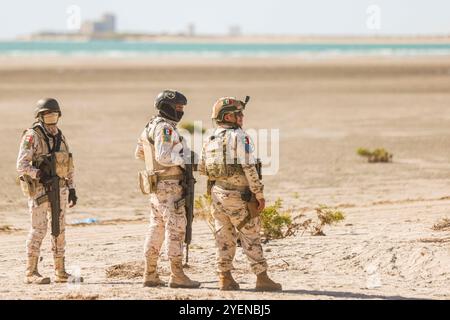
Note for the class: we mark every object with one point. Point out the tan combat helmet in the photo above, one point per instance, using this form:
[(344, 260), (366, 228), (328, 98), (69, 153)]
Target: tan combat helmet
[(226, 105)]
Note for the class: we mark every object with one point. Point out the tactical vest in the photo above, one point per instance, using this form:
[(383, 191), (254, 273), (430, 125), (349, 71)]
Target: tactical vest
[(64, 160), (217, 163), (149, 151)]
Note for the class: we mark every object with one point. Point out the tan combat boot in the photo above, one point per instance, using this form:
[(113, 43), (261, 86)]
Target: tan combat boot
[(226, 281), (151, 278), (177, 277), (61, 276), (32, 275), (264, 283)]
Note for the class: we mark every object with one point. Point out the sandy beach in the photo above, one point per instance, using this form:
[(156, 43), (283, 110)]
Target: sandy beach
[(324, 110)]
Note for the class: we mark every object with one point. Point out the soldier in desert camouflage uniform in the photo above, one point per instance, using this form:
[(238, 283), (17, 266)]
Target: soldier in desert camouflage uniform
[(43, 139), (237, 195), (161, 147)]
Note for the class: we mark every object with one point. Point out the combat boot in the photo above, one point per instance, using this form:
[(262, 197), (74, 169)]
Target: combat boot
[(32, 275), (177, 277), (226, 281), (264, 283), (61, 276), (151, 278)]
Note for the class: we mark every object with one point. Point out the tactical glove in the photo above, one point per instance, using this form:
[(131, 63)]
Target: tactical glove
[(72, 198)]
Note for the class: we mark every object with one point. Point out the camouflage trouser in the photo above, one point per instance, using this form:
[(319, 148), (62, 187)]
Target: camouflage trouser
[(166, 221), (39, 221), (228, 211)]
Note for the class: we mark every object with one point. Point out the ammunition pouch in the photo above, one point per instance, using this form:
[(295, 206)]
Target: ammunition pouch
[(147, 182), (28, 185), (64, 164)]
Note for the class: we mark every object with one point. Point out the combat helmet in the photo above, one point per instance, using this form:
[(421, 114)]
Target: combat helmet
[(167, 101), (227, 105), (47, 104)]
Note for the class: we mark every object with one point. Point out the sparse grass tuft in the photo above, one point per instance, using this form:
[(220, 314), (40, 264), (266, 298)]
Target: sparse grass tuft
[(378, 155), (203, 206)]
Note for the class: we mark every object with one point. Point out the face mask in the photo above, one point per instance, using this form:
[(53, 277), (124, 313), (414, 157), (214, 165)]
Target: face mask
[(50, 118)]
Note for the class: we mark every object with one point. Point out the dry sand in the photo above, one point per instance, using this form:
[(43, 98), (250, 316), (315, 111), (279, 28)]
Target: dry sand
[(325, 109)]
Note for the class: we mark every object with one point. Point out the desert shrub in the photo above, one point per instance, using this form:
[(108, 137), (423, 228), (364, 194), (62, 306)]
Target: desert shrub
[(275, 223), (8, 228), (326, 216), (202, 205), (378, 155)]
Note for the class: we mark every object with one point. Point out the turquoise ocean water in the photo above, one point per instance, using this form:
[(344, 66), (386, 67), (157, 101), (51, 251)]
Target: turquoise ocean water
[(127, 49)]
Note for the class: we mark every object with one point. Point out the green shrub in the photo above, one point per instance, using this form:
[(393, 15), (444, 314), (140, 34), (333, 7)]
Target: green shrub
[(378, 155), (275, 223), (326, 216)]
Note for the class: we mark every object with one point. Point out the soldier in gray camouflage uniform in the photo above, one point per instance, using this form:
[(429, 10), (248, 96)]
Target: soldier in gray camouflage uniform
[(43, 139), (161, 147), (237, 195)]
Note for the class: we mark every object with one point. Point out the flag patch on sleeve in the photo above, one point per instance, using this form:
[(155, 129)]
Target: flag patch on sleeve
[(247, 145), (167, 135), (28, 142)]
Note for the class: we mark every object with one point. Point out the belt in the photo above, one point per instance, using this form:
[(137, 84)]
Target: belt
[(173, 177), (229, 186), (62, 183)]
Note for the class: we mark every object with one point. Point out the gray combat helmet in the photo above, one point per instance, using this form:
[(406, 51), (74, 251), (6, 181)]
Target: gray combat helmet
[(166, 103), (48, 104)]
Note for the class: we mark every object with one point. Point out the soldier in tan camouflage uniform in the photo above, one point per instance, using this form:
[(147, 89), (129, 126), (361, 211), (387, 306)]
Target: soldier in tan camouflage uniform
[(43, 139), (237, 195), (161, 147)]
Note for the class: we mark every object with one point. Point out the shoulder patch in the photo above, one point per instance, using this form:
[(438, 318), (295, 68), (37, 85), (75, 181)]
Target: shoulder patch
[(247, 144), (167, 135), (28, 141)]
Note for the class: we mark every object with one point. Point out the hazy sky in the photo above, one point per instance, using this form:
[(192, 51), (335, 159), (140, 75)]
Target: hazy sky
[(21, 17)]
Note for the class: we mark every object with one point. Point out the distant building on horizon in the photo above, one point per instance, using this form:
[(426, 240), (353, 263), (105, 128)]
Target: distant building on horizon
[(105, 25), (235, 31), (191, 30)]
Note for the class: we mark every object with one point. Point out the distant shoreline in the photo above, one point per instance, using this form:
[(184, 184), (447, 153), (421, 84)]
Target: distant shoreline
[(227, 47), (375, 39)]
